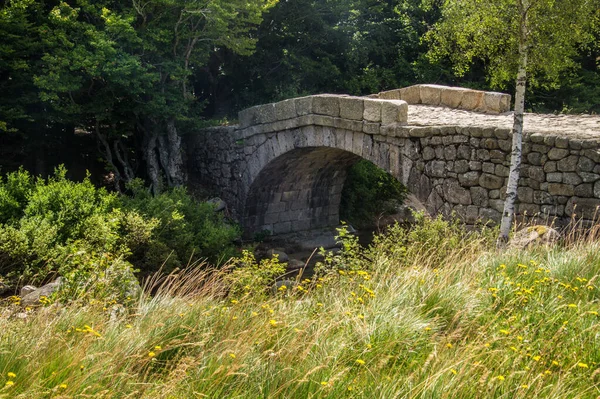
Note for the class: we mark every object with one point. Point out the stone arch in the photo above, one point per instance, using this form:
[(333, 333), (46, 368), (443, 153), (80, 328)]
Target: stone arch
[(294, 179)]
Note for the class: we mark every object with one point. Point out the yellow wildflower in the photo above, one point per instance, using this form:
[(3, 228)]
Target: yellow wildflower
[(158, 347), (11, 375), (500, 378), (448, 345), (324, 383), (232, 355), (9, 383), (360, 361), (453, 371), (583, 365), (151, 354), (63, 386), (273, 322)]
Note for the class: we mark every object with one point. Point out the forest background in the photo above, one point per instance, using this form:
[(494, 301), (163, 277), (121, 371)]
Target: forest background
[(113, 86)]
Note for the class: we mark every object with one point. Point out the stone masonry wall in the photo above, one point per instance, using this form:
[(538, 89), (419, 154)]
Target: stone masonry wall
[(283, 168)]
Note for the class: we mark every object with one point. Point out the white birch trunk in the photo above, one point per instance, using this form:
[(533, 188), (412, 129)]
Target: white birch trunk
[(517, 133)]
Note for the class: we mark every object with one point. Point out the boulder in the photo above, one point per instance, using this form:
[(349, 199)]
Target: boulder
[(295, 264), (282, 256), (33, 298), (218, 203), (534, 235), (27, 290)]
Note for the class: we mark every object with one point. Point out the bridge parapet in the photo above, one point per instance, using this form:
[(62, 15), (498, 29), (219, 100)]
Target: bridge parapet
[(452, 97)]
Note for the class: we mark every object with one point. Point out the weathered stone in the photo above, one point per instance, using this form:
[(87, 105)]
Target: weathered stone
[(561, 142), (304, 105), (490, 181), (494, 194), (456, 194), (556, 177), (436, 168), (560, 189), (372, 111), (489, 144), (502, 171), (586, 208), (475, 165), (27, 290), (589, 177), (585, 164), (327, 105), (488, 167), (394, 111), (597, 189), (469, 179), (542, 197), (568, 164), (536, 173), (431, 94), (472, 100), (451, 97), (411, 95), (525, 194), (534, 158), (487, 214), (528, 209), (550, 167), (218, 203), (584, 190), (352, 108), (428, 153), (572, 178), (285, 110), (557, 153), (450, 153), (34, 297), (479, 196), (534, 236), (461, 166)]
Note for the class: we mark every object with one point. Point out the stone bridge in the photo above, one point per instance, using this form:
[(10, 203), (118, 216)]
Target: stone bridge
[(283, 167)]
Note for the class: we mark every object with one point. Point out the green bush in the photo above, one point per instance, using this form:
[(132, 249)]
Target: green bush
[(187, 229), (95, 239), (367, 193), (250, 277)]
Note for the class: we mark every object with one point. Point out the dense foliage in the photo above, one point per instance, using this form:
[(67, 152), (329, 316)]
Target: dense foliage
[(138, 75), (93, 238), (369, 192)]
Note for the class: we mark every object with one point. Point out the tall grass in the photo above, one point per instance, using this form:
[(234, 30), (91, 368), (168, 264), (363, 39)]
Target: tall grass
[(420, 320)]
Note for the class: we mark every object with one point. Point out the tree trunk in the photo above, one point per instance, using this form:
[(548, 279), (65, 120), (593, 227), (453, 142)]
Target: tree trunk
[(151, 157), (517, 135), (171, 155)]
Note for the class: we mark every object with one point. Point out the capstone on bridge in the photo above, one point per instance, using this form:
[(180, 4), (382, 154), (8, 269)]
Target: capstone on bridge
[(283, 167)]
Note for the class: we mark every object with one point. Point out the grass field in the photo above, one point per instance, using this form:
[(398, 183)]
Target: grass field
[(432, 315)]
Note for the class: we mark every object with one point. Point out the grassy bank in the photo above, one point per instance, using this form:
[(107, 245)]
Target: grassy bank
[(438, 314)]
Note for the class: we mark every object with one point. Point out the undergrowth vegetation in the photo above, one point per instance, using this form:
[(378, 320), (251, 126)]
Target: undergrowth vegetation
[(95, 239), (433, 312)]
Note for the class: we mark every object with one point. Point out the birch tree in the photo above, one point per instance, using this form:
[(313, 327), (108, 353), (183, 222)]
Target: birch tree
[(530, 41)]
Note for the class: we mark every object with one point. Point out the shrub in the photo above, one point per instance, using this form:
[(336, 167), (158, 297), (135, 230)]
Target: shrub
[(250, 277), (369, 190)]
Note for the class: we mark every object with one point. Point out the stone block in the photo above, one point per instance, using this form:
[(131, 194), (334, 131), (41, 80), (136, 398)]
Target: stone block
[(390, 95), (589, 177), (456, 194), (436, 168), (394, 111), (428, 153), (525, 195), (597, 189), (557, 153), (461, 166), (528, 209), (584, 190), (555, 177), (586, 208), (487, 214), (561, 142), (488, 167), (285, 110), (585, 164), (452, 97), (561, 189), (450, 153), (568, 164), (550, 167), (469, 179), (304, 105), (411, 94), (475, 165), (352, 108), (494, 103), (479, 196), (326, 105), (502, 171), (372, 110), (371, 127), (431, 94), (472, 100), (572, 178), (490, 181), (536, 173), (542, 197)]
